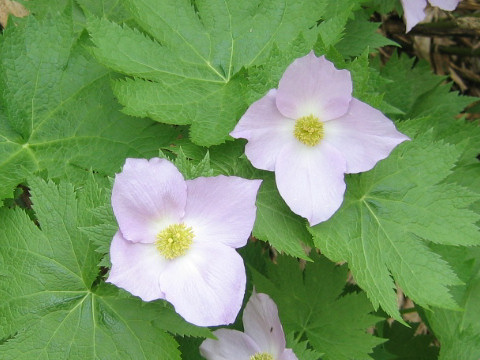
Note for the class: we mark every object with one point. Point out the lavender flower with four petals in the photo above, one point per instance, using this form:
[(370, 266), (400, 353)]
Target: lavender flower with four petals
[(263, 338), (414, 10), (177, 239), (311, 131)]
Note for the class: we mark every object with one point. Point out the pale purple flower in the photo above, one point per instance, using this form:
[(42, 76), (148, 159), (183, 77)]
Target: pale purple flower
[(262, 339), (311, 131), (414, 10), (177, 239)]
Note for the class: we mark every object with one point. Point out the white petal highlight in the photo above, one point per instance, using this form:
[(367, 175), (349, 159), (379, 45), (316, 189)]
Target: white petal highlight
[(266, 130), (231, 344), (311, 180), (136, 267), (261, 322), (206, 286), (221, 209), (313, 86), (364, 136), (147, 196)]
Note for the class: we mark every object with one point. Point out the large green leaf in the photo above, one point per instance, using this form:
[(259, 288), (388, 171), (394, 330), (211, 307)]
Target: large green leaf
[(388, 216), (311, 304), (459, 331), (53, 302), (58, 112), (189, 71)]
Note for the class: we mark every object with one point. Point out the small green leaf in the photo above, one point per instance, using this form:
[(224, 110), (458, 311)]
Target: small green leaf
[(360, 33), (189, 169), (310, 304)]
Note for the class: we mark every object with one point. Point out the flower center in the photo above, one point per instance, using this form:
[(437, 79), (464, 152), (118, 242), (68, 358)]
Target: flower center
[(309, 130), (174, 240), (262, 356)]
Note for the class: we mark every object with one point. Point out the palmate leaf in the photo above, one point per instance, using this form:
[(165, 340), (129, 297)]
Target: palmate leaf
[(359, 34), (416, 91), (310, 304), (52, 302), (58, 112), (389, 214), (190, 72)]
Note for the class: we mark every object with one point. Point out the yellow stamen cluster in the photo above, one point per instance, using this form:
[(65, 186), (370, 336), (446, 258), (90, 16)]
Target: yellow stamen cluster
[(309, 130), (174, 240), (262, 356)]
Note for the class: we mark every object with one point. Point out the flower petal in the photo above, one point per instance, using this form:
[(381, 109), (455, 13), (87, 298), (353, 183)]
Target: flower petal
[(266, 130), (261, 322), (221, 209), (364, 136), (231, 344), (413, 11), (449, 5), (206, 285), (146, 197), (311, 180), (313, 86), (136, 267)]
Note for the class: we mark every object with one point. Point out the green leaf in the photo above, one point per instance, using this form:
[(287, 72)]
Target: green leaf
[(277, 224), (388, 215), (264, 77), (53, 302), (301, 349), (189, 71), (406, 82), (459, 331), (102, 227), (404, 343), (359, 34), (332, 30), (385, 6), (59, 112), (189, 169), (310, 304), (366, 81), (190, 348), (440, 103), (416, 91)]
